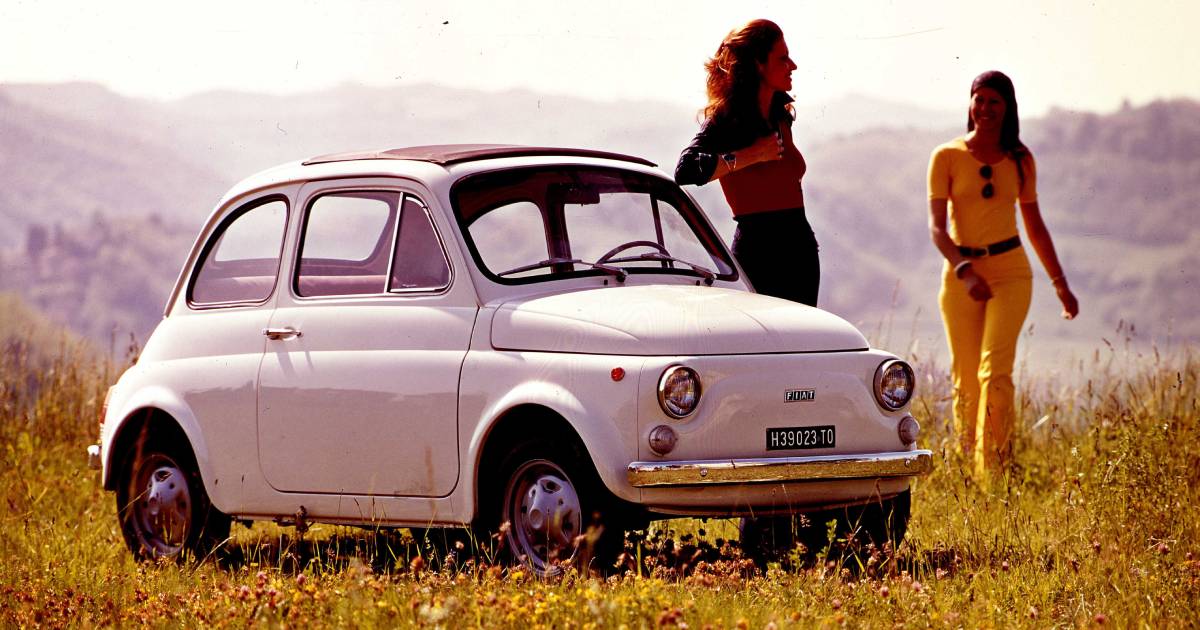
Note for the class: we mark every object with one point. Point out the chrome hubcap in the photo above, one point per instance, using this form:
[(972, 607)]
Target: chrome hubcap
[(163, 510), (544, 515)]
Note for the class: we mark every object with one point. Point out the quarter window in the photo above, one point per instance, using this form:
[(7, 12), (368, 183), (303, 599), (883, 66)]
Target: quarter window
[(420, 262), (242, 260)]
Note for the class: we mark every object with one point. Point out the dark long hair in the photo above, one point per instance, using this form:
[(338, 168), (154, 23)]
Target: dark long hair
[(733, 75), (1010, 127)]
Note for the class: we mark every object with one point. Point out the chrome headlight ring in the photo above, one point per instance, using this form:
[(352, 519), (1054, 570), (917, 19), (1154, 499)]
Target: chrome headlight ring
[(679, 391), (894, 384)]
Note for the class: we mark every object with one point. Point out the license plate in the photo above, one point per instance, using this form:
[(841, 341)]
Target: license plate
[(792, 438)]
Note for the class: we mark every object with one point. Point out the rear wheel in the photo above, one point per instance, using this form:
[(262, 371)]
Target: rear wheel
[(554, 511), (162, 507)]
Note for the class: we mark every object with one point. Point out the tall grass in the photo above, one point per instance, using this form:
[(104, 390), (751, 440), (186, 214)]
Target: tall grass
[(1098, 523)]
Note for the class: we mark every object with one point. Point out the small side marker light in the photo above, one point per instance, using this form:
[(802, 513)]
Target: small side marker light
[(618, 373)]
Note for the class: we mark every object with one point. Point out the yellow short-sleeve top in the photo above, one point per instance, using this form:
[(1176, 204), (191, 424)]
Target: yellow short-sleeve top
[(973, 220)]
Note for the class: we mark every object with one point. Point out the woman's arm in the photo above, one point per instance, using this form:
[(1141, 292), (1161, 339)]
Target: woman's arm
[(976, 285), (1039, 236), (701, 162)]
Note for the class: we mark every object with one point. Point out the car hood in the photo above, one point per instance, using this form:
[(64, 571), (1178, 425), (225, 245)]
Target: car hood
[(668, 320)]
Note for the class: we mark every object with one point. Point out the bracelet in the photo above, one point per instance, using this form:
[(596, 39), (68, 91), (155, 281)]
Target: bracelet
[(961, 268)]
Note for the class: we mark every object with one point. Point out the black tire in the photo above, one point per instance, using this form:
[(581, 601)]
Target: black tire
[(551, 509), (162, 506), (773, 538)]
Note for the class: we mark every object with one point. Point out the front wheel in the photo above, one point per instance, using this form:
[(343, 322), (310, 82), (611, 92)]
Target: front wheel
[(162, 507), (554, 510)]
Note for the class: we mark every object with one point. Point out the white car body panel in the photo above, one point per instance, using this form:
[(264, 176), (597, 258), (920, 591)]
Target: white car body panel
[(668, 320)]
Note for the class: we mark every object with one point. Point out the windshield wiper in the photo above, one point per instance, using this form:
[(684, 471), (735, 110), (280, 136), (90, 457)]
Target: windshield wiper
[(703, 272), (617, 272)]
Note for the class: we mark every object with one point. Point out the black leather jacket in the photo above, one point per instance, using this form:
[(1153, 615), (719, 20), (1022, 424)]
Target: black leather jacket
[(699, 160)]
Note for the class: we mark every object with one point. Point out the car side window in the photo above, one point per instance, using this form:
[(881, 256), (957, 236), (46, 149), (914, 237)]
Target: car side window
[(420, 262), (241, 261), (346, 244)]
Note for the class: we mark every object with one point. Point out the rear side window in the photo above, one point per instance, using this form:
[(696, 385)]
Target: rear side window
[(347, 244), (241, 260)]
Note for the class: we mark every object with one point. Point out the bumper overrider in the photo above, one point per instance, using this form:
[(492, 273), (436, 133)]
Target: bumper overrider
[(779, 469)]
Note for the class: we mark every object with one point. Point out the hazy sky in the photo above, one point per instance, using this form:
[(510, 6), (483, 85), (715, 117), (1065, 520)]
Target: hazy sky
[(1069, 53)]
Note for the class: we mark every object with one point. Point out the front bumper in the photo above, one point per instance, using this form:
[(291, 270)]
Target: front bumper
[(93, 456), (779, 469)]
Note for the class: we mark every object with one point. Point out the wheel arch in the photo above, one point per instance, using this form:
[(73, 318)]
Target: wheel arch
[(509, 429), (138, 426), (515, 425)]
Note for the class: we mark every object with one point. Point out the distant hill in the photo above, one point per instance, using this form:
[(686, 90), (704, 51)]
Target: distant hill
[(103, 194)]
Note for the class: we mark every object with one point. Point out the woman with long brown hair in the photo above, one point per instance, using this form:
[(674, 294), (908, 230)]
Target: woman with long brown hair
[(746, 143), (975, 182)]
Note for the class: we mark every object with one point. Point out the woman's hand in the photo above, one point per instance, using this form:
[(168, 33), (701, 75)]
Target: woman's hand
[(977, 287), (1069, 303), (765, 149)]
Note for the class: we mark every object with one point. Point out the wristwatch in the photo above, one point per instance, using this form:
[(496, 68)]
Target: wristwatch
[(730, 160)]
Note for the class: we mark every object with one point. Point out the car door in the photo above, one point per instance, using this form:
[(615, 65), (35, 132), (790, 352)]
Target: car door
[(358, 385)]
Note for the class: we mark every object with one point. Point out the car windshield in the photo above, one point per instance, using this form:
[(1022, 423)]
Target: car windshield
[(540, 223)]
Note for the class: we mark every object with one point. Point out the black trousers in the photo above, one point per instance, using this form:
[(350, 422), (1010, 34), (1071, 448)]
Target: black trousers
[(778, 252)]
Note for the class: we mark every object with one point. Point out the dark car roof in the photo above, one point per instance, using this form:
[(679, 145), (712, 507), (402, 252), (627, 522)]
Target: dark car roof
[(454, 153)]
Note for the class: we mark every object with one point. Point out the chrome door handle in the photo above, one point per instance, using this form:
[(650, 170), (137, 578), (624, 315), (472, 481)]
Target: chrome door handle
[(275, 334)]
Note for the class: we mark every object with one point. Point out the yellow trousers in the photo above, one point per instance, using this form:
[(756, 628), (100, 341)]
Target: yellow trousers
[(983, 347)]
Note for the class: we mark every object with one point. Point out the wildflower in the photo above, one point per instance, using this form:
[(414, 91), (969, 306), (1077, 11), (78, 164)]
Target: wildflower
[(300, 580), (742, 624), (836, 603), (1004, 565), (1163, 548), (1033, 612), (417, 565), (1100, 619), (916, 586), (884, 591), (940, 574)]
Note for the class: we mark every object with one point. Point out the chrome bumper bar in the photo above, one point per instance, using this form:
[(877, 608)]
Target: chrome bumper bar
[(93, 456), (779, 469)]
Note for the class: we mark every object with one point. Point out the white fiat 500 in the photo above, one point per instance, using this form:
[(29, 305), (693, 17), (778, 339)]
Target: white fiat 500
[(550, 344)]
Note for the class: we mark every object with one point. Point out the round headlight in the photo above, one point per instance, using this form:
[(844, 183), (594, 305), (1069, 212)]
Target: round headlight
[(679, 391), (894, 382)]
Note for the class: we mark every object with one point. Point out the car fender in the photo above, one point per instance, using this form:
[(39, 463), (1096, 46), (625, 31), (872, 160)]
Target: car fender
[(164, 400), (606, 424)]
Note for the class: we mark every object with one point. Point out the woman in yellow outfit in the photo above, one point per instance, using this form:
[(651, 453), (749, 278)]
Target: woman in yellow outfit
[(975, 182)]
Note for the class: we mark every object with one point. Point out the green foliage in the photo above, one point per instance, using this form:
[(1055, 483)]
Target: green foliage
[(104, 278), (1095, 524)]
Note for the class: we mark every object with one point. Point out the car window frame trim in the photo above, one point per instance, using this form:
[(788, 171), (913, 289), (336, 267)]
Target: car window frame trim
[(232, 216), (293, 283)]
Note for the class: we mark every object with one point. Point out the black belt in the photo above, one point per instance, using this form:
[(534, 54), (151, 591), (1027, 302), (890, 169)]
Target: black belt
[(999, 247)]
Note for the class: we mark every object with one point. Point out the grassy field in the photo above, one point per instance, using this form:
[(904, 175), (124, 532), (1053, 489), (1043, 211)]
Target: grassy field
[(1099, 524)]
